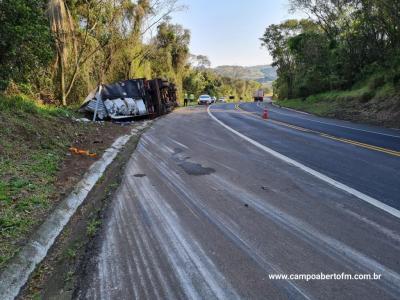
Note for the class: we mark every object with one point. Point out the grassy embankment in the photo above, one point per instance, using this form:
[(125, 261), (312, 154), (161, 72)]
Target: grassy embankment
[(369, 102), (33, 142)]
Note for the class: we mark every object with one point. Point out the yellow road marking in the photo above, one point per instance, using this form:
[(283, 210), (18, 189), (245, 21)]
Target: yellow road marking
[(355, 143), (368, 146), (291, 126)]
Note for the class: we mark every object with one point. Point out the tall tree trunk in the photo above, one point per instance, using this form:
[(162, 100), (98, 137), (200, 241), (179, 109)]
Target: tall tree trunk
[(62, 85), (62, 26), (61, 68)]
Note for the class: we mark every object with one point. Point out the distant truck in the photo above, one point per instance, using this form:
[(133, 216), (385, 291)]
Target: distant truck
[(259, 95)]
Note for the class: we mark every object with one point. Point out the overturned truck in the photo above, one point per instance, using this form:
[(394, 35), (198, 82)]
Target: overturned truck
[(131, 98)]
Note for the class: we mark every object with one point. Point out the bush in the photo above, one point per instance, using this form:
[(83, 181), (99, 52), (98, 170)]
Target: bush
[(26, 41), (396, 79), (366, 96), (376, 81), (18, 104), (3, 85)]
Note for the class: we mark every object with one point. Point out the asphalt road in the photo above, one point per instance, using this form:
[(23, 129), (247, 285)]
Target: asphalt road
[(363, 157), (203, 213)]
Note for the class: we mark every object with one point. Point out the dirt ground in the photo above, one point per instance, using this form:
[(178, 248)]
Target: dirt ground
[(56, 277), (380, 112), (37, 169), (96, 141)]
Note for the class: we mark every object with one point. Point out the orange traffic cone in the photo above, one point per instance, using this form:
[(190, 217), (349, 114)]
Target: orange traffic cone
[(265, 114)]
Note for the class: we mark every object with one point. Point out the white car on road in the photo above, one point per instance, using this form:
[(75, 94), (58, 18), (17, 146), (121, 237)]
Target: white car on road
[(205, 99)]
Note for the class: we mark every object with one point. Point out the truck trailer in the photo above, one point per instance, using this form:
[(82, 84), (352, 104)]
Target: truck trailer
[(258, 95)]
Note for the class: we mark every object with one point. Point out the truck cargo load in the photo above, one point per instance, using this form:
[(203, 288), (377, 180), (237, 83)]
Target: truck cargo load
[(131, 98)]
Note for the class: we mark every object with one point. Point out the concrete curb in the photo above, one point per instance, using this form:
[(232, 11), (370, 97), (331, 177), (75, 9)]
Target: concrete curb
[(17, 273)]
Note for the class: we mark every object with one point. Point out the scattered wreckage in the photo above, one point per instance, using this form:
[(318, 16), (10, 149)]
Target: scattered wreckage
[(131, 98)]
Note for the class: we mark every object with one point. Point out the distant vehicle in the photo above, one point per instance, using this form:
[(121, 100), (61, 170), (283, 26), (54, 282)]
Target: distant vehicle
[(222, 99), (205, 99), (259, 95)]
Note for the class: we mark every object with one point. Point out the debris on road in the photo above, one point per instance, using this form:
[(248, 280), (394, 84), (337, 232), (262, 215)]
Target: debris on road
[(131, 98), (81, 120), (82, 152)]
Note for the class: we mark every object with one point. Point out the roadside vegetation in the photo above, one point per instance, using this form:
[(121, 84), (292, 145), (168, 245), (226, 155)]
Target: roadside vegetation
[(52, 54), (262, 73), (37, 169), (364, 103), (33, 142), (57, 51), (343, 61), (200, 79)]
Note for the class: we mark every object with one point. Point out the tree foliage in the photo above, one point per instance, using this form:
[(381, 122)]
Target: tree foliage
[(205, 81), (170, 52), (343, 42), (25, 39), (60, 50)]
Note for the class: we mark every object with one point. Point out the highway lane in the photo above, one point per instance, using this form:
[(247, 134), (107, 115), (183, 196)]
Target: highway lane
[(372, 135), (203, 214), (372, 172)]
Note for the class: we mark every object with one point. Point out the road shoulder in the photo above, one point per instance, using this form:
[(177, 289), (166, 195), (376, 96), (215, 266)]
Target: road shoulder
[(57, 275)]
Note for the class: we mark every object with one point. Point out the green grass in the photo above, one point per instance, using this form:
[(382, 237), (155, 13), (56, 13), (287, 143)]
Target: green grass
[(92, 227), (385, 91), (34, 140), (317, 108), (325, 104), (71, 252), (22, 104)]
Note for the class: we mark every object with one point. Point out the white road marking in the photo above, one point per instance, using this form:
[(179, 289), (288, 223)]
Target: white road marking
[(331, 124), (178, 186), (179, 144), (339, 185)]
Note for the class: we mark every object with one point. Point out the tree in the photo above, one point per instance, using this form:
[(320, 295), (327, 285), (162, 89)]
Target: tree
[(25, 40), (206, 81), (194, 82), (275, 39), (342, 42), (200, 61), (170, 53), (104, 33)]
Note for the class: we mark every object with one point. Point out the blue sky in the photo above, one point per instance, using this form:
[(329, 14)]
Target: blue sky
[(228, 31)]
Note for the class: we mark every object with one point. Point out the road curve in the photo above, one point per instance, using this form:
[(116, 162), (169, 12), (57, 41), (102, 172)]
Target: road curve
[(363, 157), (203, 214)]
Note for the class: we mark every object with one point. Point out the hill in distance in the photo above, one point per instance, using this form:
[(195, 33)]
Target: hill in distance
[(262, 73)]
